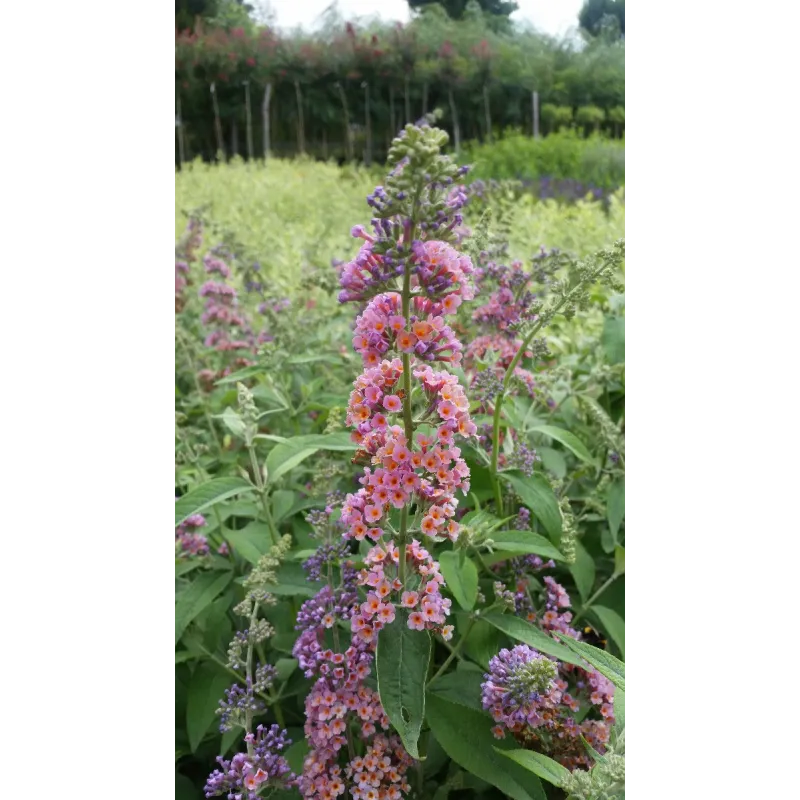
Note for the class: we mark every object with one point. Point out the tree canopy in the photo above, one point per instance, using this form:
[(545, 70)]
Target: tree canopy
[(598, 14), (455, 8)]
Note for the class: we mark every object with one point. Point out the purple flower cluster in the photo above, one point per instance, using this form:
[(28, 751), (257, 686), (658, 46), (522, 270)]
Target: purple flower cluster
[(246, 774), (238, 701), (523, 520), (523, 458), (320, 613), (486, 385), (327, 554), (519, 687), (188, 542)]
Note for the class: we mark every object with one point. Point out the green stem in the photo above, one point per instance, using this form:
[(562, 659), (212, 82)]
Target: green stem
[(262, 491), (453, 652), (249, 675), (587, 605), (509, 374), (408, 421)]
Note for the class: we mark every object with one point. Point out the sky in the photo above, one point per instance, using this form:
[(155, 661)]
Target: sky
[(555, 17)]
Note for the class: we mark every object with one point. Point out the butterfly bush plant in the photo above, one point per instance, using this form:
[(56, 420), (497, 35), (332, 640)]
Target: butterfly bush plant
[(376, 575)]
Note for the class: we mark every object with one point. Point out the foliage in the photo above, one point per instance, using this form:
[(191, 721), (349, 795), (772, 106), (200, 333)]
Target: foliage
[(273, 575), (595, 15), (344, 91), (596, 161), (455, 8)]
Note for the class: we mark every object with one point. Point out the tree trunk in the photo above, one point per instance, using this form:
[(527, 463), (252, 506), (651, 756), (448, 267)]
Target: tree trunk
[(181, 143), (487, 112), (407, 100), (535, 102), (368, 125), (248, 120), (234, 138), (265, 118), (348, 134), (324, 145), (392, 128), (454, 114), (217, 124), (301, 134), (424, 98)]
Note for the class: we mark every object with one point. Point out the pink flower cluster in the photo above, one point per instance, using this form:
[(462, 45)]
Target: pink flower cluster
[(382, 327), (428, 476), (441, 271), (428, 608), (505, 350)]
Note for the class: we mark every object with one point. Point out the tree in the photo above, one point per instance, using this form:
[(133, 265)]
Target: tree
[(599, 14), (455, 8)]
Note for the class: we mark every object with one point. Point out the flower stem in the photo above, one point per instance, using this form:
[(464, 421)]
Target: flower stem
[(249, 675), (543, 320), (453, 652), (262, 491), (587, 605), (408, 421)]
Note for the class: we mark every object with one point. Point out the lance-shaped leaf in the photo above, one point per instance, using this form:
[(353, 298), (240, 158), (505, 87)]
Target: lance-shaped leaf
[(402, 665), (523, 631), (207, 495), (537, 494), (538, 764), (466, 736), (603, 662), (569, 440), (461, 578)]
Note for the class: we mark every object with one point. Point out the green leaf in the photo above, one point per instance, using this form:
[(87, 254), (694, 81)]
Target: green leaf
[(461, 578), (619, 710), (206, 689), (312, 359), (292, 580), (296, 755), (282, 501), (616, 506), (240, 375), (196, 597), (525, 542), (186, 565), (597, 757), (402, 666), (612, 624), (583, 571), (285, 667), (283, 642), (251, 542), (483, 640), (538, 764), (614, 339), (466, 736), (287, 455), (184, 655), (553, 461), (523, 631), (619, 560), (462, 687), (235, 734), (603, 662), (207, 495), (233, 422), (538, 496), (569, 440)]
